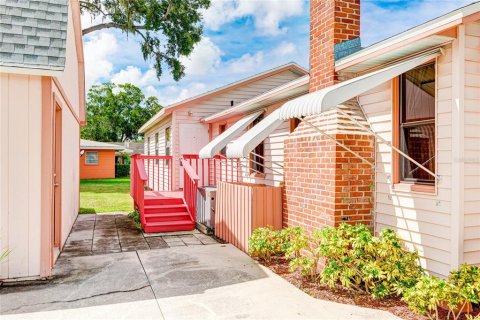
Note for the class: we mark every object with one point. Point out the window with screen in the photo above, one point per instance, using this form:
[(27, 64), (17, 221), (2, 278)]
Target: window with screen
[(168, 141), (417, 123), (91, 157), (257, 159)]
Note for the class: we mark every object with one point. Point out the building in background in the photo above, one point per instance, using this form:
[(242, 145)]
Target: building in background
[(98, 159)]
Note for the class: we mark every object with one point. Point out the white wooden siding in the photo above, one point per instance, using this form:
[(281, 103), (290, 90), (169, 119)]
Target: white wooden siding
[(471, 234), (153, 169), (273, 147), (221, 102), (20, 165), (422, 220)]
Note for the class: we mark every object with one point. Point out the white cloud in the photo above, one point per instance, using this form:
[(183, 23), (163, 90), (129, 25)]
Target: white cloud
[(206, 56), (135, 76), (247, 63), (99, 51), (285, 49), (267, 14)]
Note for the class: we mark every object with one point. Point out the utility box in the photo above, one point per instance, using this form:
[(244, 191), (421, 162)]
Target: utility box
[(243, 207), (206, 208)]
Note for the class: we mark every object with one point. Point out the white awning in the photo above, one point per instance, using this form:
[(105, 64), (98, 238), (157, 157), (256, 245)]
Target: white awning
[(328, 98), (217, 144), (248, 141)]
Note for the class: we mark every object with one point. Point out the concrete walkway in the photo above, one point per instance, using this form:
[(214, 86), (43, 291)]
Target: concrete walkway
[(198, 282)]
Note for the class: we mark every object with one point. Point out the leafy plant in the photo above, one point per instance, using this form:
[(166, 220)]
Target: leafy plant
[(379, 266), (135, 216), (427, 294), (306, 255), (265, 243), (467, 280)]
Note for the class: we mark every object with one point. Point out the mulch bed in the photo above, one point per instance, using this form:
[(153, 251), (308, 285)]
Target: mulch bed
[(345, 295)]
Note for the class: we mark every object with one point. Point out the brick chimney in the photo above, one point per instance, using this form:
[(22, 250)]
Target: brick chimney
[(324, 183), (331, 22)]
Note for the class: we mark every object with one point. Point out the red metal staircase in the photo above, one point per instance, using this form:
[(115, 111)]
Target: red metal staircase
[(163, 209)]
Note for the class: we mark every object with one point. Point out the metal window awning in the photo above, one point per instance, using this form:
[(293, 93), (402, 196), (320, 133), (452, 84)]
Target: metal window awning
[(253, 137), (329, 98), (217, 144), (323, 100)]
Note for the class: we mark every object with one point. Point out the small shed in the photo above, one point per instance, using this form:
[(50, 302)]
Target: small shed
[(97, 159)]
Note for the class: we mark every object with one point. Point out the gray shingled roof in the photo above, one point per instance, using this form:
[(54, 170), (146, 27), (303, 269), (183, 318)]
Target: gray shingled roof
[(33, 33), (90, 144)]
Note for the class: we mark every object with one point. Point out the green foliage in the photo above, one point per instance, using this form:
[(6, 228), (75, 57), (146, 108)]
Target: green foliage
[(122, 170), (467, 280), (461, 288), (266, 242), (116, 112), (167, 30), (307, 255), (379, 266), (135, 216)]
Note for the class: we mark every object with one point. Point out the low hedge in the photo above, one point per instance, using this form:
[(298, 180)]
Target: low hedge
[(122, 170), (377, 265)]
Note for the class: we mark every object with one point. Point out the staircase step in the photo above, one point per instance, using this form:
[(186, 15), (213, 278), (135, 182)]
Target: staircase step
[(167, 226), (167, 216), (165, 208), (163, 201)]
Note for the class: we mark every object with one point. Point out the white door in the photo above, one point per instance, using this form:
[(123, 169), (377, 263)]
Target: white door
[(193, 137)]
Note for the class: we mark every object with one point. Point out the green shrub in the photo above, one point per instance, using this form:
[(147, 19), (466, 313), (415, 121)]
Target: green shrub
[(379, 266), (265, 243), (135, 216), (305, 255), (461, 288), (467, 279), (122, 170)]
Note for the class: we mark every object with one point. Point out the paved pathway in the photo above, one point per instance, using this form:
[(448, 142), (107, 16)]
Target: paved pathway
[(94, 234), (188, 281)]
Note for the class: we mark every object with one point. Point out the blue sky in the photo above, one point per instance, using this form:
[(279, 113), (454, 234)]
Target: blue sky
[(243, 37)]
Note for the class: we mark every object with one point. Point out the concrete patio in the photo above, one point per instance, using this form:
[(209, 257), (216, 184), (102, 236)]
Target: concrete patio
[(188, 281)]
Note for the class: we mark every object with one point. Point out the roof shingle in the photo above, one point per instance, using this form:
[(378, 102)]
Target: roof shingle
[(33, 34)]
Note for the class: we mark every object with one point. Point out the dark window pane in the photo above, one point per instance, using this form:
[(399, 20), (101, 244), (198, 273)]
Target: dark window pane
[(418, 94), (257, 163), (419, 143)]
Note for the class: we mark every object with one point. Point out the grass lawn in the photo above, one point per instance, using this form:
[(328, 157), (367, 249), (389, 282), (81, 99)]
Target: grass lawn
[(105, 195)]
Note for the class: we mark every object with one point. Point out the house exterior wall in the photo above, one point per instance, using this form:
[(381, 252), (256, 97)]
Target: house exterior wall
[(103, 170), (20, 165), (273, 148), (194, 113), (425, 221), (160, 129), (471, 147), (27, 106)]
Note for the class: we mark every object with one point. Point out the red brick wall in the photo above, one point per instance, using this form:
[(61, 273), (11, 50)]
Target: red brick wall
[(324, 183), (331, 22)]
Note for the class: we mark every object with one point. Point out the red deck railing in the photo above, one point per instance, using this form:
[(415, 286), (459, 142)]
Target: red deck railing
[(210, 171), (190, 188), (154, 173)]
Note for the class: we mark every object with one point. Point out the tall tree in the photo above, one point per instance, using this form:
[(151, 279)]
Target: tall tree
[(116, 112), (167, 29)]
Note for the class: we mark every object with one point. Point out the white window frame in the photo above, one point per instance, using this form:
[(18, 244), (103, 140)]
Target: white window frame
[(87, 161)]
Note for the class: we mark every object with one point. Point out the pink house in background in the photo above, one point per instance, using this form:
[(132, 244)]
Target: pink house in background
[(42, 106), (386, 135)]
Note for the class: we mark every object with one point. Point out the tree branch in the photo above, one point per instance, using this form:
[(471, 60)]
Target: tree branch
[(107, 25)]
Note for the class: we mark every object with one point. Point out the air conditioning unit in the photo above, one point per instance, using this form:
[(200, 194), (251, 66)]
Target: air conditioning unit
[(206, 208)]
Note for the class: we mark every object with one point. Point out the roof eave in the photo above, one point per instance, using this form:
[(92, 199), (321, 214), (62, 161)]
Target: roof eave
[(436, 26), (31, 71), (188, 102), (260, 101)]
